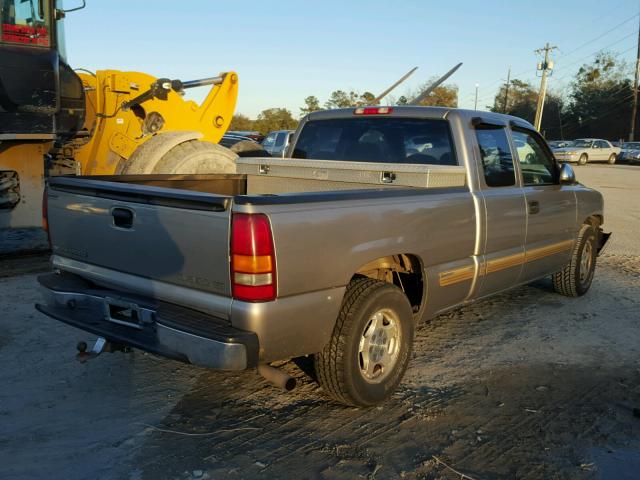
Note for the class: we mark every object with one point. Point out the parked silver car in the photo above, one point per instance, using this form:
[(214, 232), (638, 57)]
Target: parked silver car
[(630, 152), (276, 142), (585, 150)]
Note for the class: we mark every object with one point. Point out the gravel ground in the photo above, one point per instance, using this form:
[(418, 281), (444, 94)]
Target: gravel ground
[(527, 384)]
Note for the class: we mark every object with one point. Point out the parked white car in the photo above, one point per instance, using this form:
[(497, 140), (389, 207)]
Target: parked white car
[(585, 150)]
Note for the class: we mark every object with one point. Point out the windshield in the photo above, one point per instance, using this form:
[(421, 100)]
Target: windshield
[(632, 146), (26, 22), (581, 143), (384, 140)]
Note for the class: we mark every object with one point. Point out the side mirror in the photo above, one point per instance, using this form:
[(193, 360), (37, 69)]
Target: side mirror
[(60, 13), (567, 175)]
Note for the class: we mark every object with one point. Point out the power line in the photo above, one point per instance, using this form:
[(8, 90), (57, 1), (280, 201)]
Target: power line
[(590, 56), (563, 55), (588, 42), (600, 50), (600, 116)]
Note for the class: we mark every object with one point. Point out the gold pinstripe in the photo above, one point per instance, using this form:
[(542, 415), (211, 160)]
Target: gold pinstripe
[(465, 273)]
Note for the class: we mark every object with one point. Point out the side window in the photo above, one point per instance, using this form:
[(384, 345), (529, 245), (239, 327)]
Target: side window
[(537, 165), (603, 144), (495, 153), (269, 140), (280, 139), (26, 22)]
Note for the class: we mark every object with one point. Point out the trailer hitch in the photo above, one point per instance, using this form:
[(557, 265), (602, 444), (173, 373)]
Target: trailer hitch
[(102, 345)]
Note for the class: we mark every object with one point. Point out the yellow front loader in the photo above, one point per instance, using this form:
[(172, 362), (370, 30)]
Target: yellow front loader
[(54, 120), (135, 123)]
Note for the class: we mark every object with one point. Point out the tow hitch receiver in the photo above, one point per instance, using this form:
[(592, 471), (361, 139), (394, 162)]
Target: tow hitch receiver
[(101, 345)]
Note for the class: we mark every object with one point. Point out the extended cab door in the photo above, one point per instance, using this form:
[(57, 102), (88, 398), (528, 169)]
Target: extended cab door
[(551, 207), (505, 220)]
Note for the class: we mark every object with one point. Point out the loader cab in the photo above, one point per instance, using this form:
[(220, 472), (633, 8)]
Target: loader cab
[(41, 97)]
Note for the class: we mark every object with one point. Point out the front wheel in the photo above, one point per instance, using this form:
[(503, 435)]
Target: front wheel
[(197, 157), (575, 278), (583, 159), (370, 346), (612, 159)]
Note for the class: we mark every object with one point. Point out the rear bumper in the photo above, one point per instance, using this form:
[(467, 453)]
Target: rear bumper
[(165, 329)]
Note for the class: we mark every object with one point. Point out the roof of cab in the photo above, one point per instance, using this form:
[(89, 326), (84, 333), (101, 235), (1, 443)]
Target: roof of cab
[(427, 112)]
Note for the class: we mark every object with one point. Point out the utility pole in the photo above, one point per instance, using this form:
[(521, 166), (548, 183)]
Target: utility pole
[(475, 101), (506, 92), (546, 66), (634, 110)]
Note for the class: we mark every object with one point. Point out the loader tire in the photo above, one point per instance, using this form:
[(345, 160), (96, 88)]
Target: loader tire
[(196, 157)]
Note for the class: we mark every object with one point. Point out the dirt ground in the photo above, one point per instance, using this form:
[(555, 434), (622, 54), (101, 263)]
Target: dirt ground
[(528, 384)]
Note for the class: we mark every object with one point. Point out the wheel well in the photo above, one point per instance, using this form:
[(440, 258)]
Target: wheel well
[(403, 271)]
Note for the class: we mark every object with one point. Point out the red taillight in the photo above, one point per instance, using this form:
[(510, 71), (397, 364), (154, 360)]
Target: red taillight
[(372, 110), (253, 261)]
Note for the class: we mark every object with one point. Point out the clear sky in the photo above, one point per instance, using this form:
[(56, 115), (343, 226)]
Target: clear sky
[(286, 50)]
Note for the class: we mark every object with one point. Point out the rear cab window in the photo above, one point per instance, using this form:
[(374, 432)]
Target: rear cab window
[(25, 22), (380, 139)]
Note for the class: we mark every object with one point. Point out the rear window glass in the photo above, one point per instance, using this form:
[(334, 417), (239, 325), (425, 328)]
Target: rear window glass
[(383, 140)]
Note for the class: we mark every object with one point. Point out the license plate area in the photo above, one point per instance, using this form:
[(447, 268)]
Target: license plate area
[(124, 313)]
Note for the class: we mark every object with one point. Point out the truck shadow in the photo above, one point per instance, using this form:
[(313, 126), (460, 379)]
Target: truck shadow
[(532, 415), (535, 421)]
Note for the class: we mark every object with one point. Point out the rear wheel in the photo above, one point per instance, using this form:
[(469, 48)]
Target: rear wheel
[(370, 346), (612, 159), (196, 157), (575, 278), (583, 159)]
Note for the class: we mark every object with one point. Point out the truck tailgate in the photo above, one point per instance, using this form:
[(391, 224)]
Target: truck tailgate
[(175, 236)]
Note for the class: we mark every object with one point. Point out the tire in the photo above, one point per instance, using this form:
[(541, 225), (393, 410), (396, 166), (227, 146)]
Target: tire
[(575, 278), (346, 369), (612, 159), (583, 159), (196, 157)]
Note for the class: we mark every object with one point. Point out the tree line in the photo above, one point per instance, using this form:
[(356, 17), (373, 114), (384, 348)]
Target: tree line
[(597, 103), (282, 119)]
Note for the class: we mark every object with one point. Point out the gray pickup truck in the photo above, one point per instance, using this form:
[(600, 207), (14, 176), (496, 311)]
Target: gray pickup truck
[(382, 217)]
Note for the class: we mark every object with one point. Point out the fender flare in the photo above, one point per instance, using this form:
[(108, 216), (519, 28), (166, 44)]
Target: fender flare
[(147, 155)]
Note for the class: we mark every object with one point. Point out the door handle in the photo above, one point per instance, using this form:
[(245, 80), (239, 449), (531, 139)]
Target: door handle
[(122, 217), (534, 207)]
